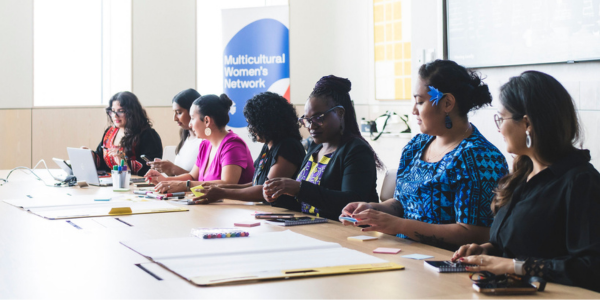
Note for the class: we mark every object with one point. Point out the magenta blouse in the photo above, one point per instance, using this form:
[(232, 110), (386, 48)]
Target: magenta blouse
[(232, 151)]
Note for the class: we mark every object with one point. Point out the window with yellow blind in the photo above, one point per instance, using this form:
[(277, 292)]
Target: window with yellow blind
[(391, 20)]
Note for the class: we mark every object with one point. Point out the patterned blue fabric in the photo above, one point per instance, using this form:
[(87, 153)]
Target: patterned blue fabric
[(458, 188)]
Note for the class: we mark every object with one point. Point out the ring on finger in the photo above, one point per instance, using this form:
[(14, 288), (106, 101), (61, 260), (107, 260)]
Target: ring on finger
[(481, 261)]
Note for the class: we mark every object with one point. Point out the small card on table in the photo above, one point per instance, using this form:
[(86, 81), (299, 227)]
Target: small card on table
[(387, 250), (362, 238)]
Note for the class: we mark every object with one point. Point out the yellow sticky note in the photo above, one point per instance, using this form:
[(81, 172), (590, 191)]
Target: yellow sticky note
[(197, 194)]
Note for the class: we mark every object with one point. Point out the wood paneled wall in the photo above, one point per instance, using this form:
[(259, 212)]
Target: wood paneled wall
[(15, 138), (29, 135)]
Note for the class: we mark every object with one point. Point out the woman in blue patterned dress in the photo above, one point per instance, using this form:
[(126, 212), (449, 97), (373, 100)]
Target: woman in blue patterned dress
[(447, 174)]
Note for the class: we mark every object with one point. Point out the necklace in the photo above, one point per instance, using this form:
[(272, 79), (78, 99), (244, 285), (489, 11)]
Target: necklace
[(435, 158)]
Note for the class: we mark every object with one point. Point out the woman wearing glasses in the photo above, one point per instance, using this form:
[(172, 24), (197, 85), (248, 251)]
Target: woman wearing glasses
[(272, 121), (340, 166), (547, 208), (223, 157), (129, 136), (447, 174)]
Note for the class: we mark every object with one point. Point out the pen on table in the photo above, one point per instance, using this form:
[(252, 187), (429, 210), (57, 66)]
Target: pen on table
[(73, 224), (174, 194), (142, 192), (123, 222), (169, 198), (29, 196)]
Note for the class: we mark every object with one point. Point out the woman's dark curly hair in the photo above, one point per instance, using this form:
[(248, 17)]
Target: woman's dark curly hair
[(271, 118), (136, 119)]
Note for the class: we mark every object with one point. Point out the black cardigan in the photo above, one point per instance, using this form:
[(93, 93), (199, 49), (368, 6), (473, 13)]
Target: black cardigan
[(149, 145), (350, 176), (553, 221)]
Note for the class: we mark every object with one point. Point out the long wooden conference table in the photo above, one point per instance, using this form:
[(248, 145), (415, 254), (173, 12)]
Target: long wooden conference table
[(42, 258)]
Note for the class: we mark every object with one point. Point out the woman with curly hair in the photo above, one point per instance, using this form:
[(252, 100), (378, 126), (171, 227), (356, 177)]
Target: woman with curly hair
[(129, 135), (272, 121)]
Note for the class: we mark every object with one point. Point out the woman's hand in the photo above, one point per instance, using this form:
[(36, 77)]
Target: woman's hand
[(170, 187), (468, 250), (117, 154), (378, 221), (353, 208), (212, 193), (154, 177), (276, 187), (162, 166), (494, 264)]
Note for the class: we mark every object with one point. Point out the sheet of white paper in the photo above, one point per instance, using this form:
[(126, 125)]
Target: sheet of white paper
[(100, 209)]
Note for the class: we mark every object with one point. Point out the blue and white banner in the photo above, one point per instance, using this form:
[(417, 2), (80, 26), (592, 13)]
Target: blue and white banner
[(256, 56)]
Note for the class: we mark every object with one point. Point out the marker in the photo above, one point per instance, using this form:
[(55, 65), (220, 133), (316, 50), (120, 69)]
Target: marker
[(169, 198), (141, 192), (152, 196), (175, 194), (123, 222), (73, 224)]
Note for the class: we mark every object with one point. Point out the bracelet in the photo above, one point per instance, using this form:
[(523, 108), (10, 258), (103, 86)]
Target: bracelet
[(187, 185), (519, 266)]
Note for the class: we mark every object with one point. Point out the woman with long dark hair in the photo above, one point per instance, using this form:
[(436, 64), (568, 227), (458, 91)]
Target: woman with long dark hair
[(129, 136), (547, 208), (339, 167), (272, 121), (447, 174), (223, 157), (187, 149)]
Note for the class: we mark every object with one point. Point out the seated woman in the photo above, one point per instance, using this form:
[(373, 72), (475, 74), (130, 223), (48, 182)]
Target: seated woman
[(129, 136), (447, 174), (272, 121), (187, 149), (547, 208), (223, 157), (339, 167)]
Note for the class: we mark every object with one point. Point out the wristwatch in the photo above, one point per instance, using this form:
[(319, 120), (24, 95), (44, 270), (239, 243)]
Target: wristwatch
[(187, 185), (519, 266)]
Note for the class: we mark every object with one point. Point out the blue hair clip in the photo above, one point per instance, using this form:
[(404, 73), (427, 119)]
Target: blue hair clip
[(435, 94)]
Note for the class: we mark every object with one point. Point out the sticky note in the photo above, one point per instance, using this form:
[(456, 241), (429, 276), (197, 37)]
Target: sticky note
[(417, 256), (362, 238), (387, 250), (197, 194), (247, 224)]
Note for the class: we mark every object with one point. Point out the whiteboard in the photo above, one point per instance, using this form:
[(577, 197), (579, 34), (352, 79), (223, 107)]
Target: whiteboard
[(483, 33)]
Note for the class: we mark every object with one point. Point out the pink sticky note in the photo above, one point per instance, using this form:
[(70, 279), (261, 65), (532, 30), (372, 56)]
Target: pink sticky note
[(387, 250), (247, 224)]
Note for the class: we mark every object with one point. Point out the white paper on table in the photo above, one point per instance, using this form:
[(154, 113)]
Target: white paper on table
[(102, 209)]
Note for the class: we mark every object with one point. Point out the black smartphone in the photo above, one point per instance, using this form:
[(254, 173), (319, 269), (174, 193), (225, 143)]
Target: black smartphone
[(506, 288)]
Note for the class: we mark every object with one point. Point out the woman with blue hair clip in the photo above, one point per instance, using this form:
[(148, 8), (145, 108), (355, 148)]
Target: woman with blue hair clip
[(447, 174)]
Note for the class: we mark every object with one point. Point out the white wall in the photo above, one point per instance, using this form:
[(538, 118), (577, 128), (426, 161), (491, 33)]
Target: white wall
[(164, 49), (16, 53), (330, 37)]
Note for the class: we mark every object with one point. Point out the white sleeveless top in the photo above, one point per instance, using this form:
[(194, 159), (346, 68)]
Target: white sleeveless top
[(186, 159)]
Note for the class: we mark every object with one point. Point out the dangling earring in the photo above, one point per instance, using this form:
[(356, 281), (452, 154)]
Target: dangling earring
[(207, 131), (448, 121), (527, 139)]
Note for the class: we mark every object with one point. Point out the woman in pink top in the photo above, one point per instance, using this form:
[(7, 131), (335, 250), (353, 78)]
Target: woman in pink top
[(223, 156)]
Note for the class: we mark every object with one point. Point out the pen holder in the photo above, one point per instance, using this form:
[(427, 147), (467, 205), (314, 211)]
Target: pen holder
[(120, 180)]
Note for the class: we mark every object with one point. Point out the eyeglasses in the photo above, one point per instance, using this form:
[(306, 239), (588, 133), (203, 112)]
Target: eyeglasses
[(499, 119), (111, 112), (306, 122)]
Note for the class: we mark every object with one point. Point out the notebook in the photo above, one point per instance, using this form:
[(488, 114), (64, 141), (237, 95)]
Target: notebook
[(297, 221), (445, 266)]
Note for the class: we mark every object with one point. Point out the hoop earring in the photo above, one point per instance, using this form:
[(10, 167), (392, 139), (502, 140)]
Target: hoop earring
[(527, 139), (207, 131), (448, 121)]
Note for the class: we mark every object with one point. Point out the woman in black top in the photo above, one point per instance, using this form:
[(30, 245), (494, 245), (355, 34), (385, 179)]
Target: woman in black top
[(547, 209), (340, 167), (128, 136), (272, 121)]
